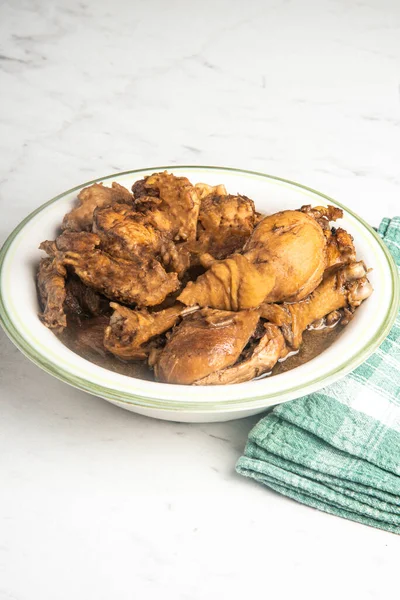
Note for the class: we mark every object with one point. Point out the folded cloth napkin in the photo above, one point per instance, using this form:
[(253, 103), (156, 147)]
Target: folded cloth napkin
[(339, 449)]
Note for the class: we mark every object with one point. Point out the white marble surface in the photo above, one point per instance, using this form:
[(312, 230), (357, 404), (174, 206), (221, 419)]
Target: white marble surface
[(99, 503)]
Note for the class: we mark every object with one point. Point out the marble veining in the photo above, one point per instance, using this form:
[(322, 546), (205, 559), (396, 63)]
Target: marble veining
[(99, 503)]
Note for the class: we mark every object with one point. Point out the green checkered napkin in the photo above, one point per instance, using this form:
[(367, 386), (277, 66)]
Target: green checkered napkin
[(339, 449)]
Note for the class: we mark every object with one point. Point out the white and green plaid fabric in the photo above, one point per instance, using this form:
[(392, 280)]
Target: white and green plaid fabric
[(338, 450)]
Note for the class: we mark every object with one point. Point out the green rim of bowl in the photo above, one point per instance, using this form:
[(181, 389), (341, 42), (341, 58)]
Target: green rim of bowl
[(253, 402)]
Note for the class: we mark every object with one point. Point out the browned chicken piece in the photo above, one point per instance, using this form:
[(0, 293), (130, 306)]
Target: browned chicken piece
[(205, 342), (340, 248), (81, 300), (347, 287), (276, 313), (131, 282), (51, 286), (204, 190), (134, 281), (148, 212), (82, 242), (129, 331), (171, 204), (140, 190), (176, 257), (65, 294), (124, 232), (96, 195), (263, 358), (258, 218), (323, 214), (284, 259), (49, 246), (225, 224), (90, 334), (293, 246)]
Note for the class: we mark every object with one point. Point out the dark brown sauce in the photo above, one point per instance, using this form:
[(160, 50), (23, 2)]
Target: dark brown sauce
[(315, 341), (84, 337)]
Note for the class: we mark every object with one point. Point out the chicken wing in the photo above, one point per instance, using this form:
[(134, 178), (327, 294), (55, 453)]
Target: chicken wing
[(205, 342), (129, 331), (61, 294), (284, 259), (51, 286), (96, 195)]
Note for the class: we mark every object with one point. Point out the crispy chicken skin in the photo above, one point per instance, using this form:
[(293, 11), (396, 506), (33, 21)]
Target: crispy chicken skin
[(263, 358), (96, 195), (284, 259), (347, 287), (129, 331), (174, 201), (225, 224), (51, 286), (205, 342)]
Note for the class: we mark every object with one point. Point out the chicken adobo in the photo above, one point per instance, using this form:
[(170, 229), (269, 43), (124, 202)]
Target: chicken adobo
[(188, 284)]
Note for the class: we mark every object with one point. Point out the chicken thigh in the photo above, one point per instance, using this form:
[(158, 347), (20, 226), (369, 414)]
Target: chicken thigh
[(263, 358), (205, 342), (52, 293)]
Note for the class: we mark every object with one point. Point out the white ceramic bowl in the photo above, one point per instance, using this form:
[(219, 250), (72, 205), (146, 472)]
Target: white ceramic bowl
[(19, 307)]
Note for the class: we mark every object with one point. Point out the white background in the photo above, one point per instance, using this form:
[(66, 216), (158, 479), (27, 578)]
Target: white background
[(100, 503)]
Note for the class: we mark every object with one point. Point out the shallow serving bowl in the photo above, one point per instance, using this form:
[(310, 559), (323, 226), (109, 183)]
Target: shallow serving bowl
[(19, 307)]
